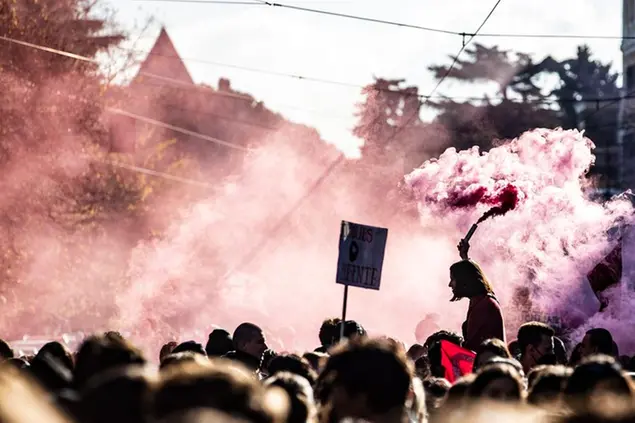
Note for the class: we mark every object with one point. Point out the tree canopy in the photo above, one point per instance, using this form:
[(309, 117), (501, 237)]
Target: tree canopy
[(522, 101)]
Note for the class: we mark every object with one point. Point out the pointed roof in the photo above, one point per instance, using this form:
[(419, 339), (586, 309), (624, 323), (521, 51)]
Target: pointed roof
[(163, 60)]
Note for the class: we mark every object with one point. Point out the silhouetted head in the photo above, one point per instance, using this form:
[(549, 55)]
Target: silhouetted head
[(250, 339), (536, 344), (328, 332), (219, 343), (597, 341), (191, 346), (489, 349), (467, 280), (6, 352), (352, 329), (365, 378)]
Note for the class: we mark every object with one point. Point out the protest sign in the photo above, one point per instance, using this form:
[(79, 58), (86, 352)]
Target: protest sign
[(361, 256)]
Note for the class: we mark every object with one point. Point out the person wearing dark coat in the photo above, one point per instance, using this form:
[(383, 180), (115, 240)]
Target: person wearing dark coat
[(484, 316)]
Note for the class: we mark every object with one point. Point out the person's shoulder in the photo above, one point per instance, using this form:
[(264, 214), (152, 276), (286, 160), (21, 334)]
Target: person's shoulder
[(490, 302)]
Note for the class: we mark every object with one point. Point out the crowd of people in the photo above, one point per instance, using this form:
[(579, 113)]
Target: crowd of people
[(350, 376), (236, 377)]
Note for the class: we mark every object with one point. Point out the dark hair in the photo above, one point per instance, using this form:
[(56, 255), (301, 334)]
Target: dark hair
[(315, 359), (328, 331), (300, 395), (244, 333), (191, 346), (602, 340), (293, 364), (219, 343), (490, 373), (531, 334), (434, 360), (60, 352), (351, 329), (416, 351), (470, 280), (436, 386), (594, 372), (493, 346), (231, 389), (535, 372), (444, 335), (113, 334), (166, 350), (436, 389), (576, 355), (459, 390), (116, 396), (6, 352), (267, 358), (505, 362), (376, 368), (547, 383), (100, 353), (422, 368), (171, 360), (514, 349)]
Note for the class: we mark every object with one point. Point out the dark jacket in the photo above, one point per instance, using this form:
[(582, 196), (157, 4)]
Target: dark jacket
[(251, 362), (484, 321)]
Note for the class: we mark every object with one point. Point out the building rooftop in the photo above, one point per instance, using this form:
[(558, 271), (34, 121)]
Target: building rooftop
[(163, 61)]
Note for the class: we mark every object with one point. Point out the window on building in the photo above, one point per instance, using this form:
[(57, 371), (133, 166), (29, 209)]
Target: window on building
[(630, 11)]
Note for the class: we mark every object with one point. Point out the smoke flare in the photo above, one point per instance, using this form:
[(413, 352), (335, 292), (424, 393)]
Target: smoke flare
[(556, 234)]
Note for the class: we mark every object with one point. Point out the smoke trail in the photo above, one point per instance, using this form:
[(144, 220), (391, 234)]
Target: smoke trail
[(508, 199), (504, 200)]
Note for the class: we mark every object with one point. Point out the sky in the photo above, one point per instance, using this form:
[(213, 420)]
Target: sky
[(332, 48)]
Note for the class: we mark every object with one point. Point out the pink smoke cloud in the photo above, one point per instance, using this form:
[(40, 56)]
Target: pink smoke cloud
[(552, 237)]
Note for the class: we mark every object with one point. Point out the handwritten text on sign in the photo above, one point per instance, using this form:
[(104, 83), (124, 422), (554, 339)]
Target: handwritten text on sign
[(361, 255)]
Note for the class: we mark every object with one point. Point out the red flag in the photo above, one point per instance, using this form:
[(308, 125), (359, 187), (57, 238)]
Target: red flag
[(607, 273), (457, 361)]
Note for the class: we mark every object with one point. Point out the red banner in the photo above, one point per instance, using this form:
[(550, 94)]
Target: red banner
[(457, 361)]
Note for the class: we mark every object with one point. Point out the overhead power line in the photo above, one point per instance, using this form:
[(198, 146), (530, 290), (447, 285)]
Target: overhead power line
[(245, 68), (324, 81), (396, 23), (243, 3), (175, 128), (318, 11), (299, 77), (155, 173), (136, 117), (253, 253), (560, 36), (463, 46), (172, 81), (629, 94), (415, 114), (124, 112), (212, 91)]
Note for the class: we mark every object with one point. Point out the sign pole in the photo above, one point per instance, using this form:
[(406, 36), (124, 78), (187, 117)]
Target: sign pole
[(360, 259), (344, 312)]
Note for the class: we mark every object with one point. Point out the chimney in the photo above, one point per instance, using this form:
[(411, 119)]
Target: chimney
[(224, 85)]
